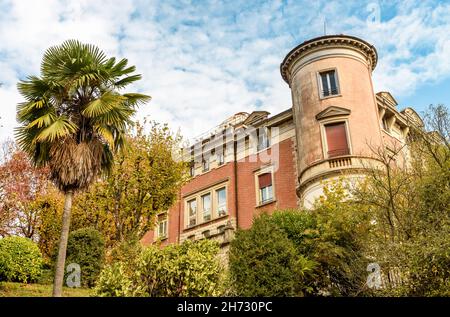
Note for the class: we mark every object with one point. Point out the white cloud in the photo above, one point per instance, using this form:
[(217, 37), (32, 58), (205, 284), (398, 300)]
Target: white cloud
[(204, 62)]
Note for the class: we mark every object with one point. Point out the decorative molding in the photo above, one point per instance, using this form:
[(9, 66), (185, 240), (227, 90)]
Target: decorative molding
[(388, 97), (256, 116), (324, 42), (332, 111)]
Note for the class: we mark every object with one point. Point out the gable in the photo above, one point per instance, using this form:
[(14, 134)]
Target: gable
[(256, 116), (388, 97), (332, 111)]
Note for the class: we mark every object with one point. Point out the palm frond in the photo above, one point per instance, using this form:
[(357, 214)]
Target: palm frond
[(106, 103), (127, 80), (43, 121), (61, 127), (73, 118), (107, 133), (135, 99)]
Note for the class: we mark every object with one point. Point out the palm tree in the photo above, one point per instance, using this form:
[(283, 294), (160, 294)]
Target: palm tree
[(74, 119)]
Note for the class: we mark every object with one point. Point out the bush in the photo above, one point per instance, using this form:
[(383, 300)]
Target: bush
[(187, 269), (264, 262), (86, 247), (20, 260), (427, 264), (114, 282)]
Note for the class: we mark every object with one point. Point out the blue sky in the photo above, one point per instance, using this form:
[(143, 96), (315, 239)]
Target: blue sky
[(203, 61)]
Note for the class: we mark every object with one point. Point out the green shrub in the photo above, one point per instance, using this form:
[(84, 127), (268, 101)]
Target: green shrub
[(20, 260), (264, 262), (187, 269), (86, 247), (427, 263), (114, 282)]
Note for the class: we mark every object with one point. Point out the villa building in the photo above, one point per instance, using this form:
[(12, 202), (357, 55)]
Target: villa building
[(255, 162)]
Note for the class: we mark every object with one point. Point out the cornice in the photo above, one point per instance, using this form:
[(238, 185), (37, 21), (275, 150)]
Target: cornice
[(324, 42)]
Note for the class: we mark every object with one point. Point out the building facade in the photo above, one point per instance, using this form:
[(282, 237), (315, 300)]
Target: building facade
[(254, 163)]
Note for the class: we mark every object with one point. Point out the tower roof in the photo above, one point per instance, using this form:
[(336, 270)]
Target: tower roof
[(328, 41)]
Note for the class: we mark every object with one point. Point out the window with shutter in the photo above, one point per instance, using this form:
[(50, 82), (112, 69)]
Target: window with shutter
[(265, 187), (336, 139)]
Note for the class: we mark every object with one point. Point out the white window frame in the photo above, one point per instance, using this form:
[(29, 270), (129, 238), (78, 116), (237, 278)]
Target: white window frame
[(319, 83), (267, 139), (220, 210), (189, 216), (192, 169), (165, 220), (209, 208), (206, 162), (199, 218)]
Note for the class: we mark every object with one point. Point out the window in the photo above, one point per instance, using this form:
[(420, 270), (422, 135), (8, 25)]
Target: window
[(192, 169), (263, 138), (205, 165), (162, 226), (265, 187), (385, 124), (192, 208), (328, 83), (220, 156), (221, 201), (206, 206), (337, 144)]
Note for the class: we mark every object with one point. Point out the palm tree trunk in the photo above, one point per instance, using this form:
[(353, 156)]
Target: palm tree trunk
[(60, 262)]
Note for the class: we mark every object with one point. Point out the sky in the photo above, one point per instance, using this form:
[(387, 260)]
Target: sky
[(203, 61)]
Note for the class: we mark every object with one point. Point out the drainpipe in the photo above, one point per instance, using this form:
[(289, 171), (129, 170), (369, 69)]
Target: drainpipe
[(179, 216), (235, 182)]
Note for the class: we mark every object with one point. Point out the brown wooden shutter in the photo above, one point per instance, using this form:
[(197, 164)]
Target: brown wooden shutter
[(336, 139), (265, 180)]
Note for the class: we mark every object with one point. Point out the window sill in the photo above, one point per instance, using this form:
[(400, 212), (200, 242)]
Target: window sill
[(205, 223), (266, 203), (258, 151), (328, 97)]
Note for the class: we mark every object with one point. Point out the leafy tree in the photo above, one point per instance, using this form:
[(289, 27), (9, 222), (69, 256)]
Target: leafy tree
[(263, 261), (74, 119), (409, 207), (339, 245), (48, 208), (144, 181), (20, 185)]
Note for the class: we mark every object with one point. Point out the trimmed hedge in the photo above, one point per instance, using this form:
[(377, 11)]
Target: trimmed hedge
[(86, 247), (265, 262), (178, 270), (20, 260)]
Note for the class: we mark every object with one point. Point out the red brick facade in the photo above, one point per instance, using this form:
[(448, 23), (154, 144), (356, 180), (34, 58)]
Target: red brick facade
[(242, 203)]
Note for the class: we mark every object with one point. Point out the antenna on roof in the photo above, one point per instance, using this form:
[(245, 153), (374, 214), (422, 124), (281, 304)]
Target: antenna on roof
[(325, 26)]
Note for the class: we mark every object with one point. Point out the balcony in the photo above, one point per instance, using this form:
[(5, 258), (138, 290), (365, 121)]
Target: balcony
[(221, 231), (335, 165)]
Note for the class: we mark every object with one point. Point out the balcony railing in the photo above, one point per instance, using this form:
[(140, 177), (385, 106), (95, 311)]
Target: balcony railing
[(340, 162)]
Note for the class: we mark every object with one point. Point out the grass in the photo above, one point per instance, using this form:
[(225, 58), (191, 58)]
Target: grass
[(10, 289)]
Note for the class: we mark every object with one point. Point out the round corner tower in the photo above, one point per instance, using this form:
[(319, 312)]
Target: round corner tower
[(334, 109)]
